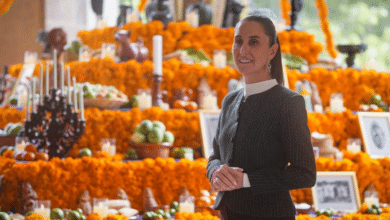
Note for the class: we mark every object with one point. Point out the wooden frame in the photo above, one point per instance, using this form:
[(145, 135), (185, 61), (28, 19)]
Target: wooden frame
[(207, 140), (376, 135), (338, 179), (285, 77)]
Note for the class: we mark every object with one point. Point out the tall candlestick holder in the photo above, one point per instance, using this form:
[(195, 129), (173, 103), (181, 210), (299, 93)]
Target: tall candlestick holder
[(54, 127), (156, 92), (296, 7)]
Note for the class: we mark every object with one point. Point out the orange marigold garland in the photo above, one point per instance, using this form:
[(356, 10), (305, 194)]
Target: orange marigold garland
[(285, 7), (62, 181), (323, 13), (208, 38), (142, 4), (300, 43), (96, 37), (177, 35), (5, 5), (356, 86), (34, 217)]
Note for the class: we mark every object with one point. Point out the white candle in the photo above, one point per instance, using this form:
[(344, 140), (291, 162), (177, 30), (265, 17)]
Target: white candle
[(354, 148), (157, 54), (187, 207), (339, 156), (371, 200), (318, 108), (101, 210), (69, 85), (33, 94), (28, 103), (81, 102), (47, 77), (75, 94), (109, 148), (144, 101), (62, 78), (20, 146), (336, 105), (219, 59), (193, 18), (41, 85), (209, 102), (45, 212), (55, 68)]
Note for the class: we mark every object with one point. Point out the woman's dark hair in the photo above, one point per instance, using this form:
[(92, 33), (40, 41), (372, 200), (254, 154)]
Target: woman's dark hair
[(270, 31)]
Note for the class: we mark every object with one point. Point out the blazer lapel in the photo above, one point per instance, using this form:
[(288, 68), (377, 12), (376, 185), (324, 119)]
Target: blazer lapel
[(229, 129)]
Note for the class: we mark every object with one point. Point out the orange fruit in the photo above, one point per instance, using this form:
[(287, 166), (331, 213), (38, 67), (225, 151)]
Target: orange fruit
[(31, 148), (191, 106), (42, 156), (179, 104), (20, 156), (29, 156)]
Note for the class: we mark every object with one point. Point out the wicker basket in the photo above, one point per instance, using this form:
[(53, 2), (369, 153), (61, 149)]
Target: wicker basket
[(151, 150), (7, 141), (103, 103)]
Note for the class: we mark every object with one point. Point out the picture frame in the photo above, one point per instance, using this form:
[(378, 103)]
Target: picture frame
[(285, 78), (375, 128), (337, 190), (208, 125)]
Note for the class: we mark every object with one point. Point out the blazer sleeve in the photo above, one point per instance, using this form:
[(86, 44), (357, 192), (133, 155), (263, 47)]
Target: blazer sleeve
[(296, 141), (215, 159)]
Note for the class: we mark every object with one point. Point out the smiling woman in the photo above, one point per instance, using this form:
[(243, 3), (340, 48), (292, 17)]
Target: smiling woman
[(253, 51), (256, 39), (262, 147)]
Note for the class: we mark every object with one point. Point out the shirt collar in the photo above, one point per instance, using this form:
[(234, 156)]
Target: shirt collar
[(255, 88)]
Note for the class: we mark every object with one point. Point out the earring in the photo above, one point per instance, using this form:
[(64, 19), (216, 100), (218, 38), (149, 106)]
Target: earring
[(269, 67)]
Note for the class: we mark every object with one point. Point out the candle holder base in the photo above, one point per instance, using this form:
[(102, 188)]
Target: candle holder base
[(351, 50), (156, 94), (55, 127)]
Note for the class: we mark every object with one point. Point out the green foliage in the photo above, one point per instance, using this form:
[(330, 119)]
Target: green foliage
[(294, 61), (351, 22), (75, 47)]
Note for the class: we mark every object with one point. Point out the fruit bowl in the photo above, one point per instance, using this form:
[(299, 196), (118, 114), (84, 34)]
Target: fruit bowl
[(151, 150)]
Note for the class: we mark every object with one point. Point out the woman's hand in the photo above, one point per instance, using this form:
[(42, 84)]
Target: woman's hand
[(227, 178)]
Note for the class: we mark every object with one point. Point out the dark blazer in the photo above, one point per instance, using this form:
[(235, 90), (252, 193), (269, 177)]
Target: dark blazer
[(270, 132)]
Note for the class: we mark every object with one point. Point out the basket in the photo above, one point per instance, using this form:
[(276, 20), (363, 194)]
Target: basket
[(7, 140), (103, 103), (151, 150)]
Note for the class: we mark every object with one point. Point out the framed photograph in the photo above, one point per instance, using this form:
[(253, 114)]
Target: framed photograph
[(208, 126), (375, 127), (337, 190)]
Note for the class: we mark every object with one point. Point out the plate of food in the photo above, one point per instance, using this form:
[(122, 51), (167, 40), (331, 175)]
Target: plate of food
[(103, 97)]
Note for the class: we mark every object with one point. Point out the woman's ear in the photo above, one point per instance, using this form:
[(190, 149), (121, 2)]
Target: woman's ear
[(273, 51)]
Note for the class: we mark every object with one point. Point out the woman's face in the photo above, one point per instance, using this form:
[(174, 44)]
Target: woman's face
[(251, 50)]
